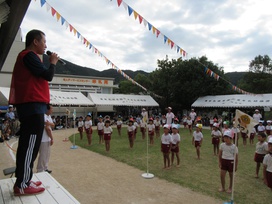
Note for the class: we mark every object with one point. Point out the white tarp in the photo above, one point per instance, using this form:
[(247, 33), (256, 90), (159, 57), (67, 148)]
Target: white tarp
[(69, 99), (56, 98), (122, 100), (234, 101)]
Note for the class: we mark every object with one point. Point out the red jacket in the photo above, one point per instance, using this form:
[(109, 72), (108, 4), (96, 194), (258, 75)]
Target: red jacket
[(25, 87)]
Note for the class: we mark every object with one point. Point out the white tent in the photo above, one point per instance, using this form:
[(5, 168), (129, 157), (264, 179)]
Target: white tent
[(122, 100), (56, 98), (234, 101), (69, 99)]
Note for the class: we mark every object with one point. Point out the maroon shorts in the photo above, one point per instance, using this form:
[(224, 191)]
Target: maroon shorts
[(150, 133), (189, 126), (268, 132), (135, 131), (211, 125), (184, 123), (119, 126), (130, 134), (107, 136), (197, 143), (259, 157), (227, 165), (175, 149), (165, 148), (244, 135), (100, 132), (269, 179), (80, 129), (89, 131), (215, 141), (157, 128), (142, 129), (252, 135)]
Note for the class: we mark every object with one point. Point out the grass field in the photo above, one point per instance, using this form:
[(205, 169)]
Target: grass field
[(199, 175)]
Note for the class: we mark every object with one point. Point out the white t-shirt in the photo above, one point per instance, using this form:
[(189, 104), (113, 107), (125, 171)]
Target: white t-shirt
[(257, 117), (211, 121), (268, 127), (107, 130), (100, 125), (80, 123), (142, 124), (216, 133), (136, 124), (228, 151), (189, 122), (268, 162), (166, 139), (169, 117), (131, 128), (175, 138), (45, 137), (150, 127), (261, 128), (261, 148), (119, 122), (198, 136), (192, 115), (88, 124), (157, 123)]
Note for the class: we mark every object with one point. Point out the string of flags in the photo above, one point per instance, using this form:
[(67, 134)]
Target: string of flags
[(152, 28), (171, 43), (87, 43)]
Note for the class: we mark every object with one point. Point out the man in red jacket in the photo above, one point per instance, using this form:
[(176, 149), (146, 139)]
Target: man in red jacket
[(29, 93)]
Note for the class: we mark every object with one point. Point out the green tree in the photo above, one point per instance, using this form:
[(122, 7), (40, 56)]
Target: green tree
[(261, 64)]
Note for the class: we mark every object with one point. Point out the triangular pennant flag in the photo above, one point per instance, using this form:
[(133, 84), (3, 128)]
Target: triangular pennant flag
[(71, 27), (62, 20), (87, 44), (145, 22), (53, 11), (178, 49), (158, 32), (42, 2), (168, 41), (165, 39), (135, 15), (78, 35), (149, 26), (129, 10), (58, 16), (48, 7), (154, 30), (140, 19), (66, 24), (75, 31), (125, 6), (172, 44), (119, 2)]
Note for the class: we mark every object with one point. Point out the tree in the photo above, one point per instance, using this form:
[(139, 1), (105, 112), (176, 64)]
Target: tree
[(181, 82), (261, 64)]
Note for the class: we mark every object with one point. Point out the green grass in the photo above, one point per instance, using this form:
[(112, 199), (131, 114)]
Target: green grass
[(199, 175)]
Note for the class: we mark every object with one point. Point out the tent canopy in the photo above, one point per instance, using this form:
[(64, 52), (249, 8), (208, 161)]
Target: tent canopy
[(122, 100), (234, 101), (56, 98)]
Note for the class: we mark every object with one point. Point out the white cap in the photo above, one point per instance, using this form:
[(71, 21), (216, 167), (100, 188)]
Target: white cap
[(216, 125), (166, 126), (261, 121), (228, 133), (10, 106), (143, 109), (256, 110), (269, 121), (225, 122), (174, 126), (169, 108), (270, 140)]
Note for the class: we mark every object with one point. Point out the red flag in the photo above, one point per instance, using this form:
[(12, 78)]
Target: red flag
[(53, 11), (119, 2)]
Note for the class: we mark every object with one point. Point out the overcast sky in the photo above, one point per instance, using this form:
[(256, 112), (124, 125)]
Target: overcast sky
[(229, 32)]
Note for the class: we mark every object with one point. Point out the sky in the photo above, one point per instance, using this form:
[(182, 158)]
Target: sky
[(230, 33)]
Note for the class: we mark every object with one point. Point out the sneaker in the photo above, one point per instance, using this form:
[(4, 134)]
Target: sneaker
[(48, 171), (30, 190), (36, 183)]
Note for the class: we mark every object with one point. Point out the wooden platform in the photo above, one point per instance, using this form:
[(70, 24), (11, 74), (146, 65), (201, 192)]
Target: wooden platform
[(54, 192)]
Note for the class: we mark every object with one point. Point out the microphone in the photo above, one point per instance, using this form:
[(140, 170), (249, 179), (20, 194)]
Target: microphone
[(60, 60)]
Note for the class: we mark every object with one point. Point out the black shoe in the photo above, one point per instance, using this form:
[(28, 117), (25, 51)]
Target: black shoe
[(48, 171)]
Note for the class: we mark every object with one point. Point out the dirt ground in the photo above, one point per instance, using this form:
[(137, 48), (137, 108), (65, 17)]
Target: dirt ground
[(93, 178)]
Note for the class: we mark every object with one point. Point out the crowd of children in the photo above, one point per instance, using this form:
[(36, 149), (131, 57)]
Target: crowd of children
[(227, 151)]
